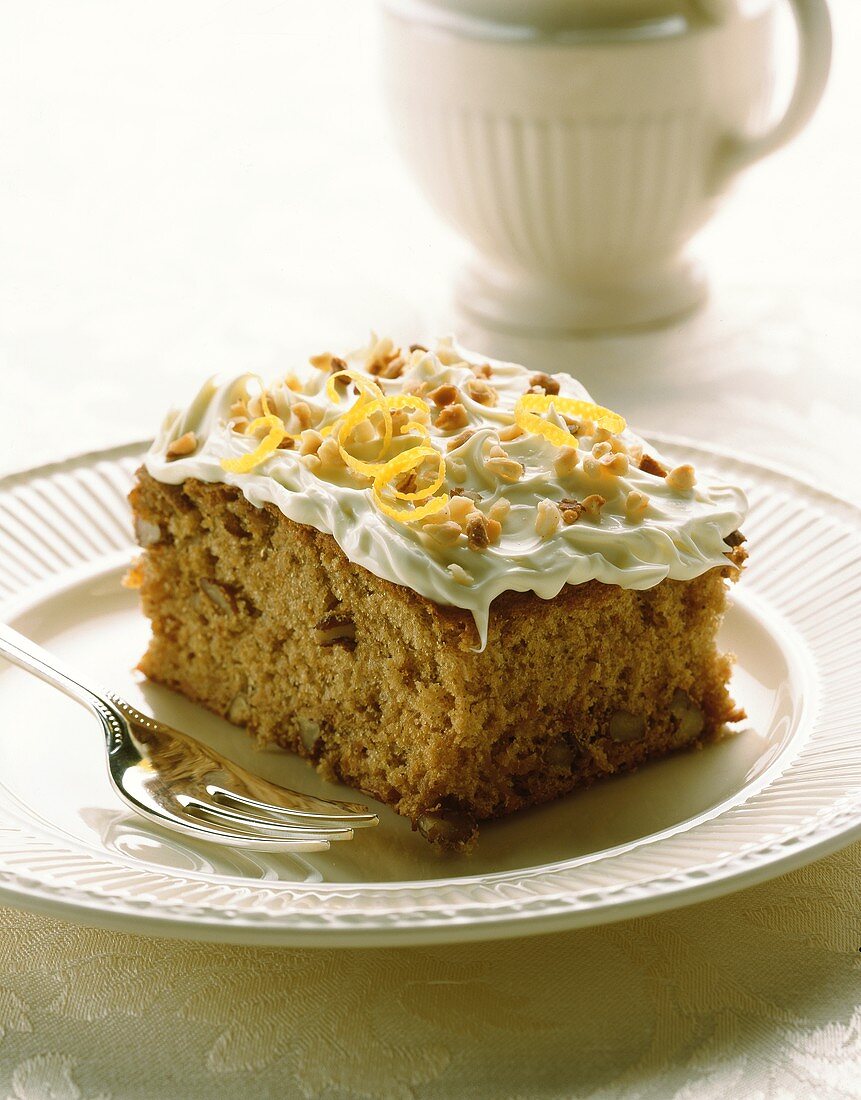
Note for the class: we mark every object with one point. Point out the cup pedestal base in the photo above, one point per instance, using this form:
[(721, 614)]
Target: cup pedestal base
[(518, 302)]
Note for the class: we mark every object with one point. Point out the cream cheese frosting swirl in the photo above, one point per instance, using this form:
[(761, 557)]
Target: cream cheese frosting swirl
[(525, 513)]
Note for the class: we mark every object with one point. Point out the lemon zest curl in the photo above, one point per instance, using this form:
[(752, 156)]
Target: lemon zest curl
[(382, 473), (402, 463), (243, 464), (530, 404)]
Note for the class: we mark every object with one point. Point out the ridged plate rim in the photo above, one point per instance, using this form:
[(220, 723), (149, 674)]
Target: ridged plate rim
[(809, 808)]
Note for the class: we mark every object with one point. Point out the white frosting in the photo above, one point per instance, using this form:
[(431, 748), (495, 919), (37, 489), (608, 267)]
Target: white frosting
[(680, 535)]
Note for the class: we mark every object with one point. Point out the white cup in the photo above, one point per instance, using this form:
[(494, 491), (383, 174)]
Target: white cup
[(580, 159)]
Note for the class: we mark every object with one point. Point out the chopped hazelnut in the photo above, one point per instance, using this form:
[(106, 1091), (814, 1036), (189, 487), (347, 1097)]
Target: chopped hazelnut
[(442, 516), (477, 534), (650, 465), (407, 482), (566, 461), (451, 418), (302, 413), (546, 519), (592, 505), (494, 530), (460, 574), (545, 382), (571, 511), (447, 354), (309, 442), (499, 510), (482, 370), (426, 473), (323, 361), (601, 449), (459, 440), (329, 454), (615, 464), (456, 471), (474, 496), (444, 395), (185, 445), (394, 368), (636, 504), (400, 418), (363, 432), (506, 469), (509, 433), (380, 355), (591, 467), (460, 507), (681, 478), (446, 533), (481, 392)]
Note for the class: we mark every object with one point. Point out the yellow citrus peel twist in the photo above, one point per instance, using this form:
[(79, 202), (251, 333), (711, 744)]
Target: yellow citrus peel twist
[(400, 464), (368, 391), (269, 444), (363, 410), (530, 404), (371, 399)]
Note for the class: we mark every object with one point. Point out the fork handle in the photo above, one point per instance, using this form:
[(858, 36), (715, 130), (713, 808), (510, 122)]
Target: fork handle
[(24, 653)]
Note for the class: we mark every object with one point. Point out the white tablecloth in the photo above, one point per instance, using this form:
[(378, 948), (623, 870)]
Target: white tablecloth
[(755, 995), (191, 187)]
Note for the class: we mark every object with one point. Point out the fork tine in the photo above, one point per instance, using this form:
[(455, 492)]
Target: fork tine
[(353, 820), (203, 829), (258, 825)]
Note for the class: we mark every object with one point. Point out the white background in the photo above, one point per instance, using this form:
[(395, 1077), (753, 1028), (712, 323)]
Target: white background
[(201, 186)]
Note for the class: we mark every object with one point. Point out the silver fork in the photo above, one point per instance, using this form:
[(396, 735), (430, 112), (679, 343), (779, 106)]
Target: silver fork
[(175, 781)]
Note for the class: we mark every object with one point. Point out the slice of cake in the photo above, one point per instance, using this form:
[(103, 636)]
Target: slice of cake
[(455, 584)]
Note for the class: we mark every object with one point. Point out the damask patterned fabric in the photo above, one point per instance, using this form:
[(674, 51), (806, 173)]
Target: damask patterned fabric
[(757, 995)]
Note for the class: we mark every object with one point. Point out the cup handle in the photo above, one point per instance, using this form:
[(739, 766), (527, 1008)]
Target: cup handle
[(814, 60)]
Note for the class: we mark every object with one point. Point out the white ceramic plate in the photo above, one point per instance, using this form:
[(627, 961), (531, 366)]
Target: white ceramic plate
[(784, 791)]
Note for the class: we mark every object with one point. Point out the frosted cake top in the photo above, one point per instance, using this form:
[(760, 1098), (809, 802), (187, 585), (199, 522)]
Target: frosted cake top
[(458, 476)]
